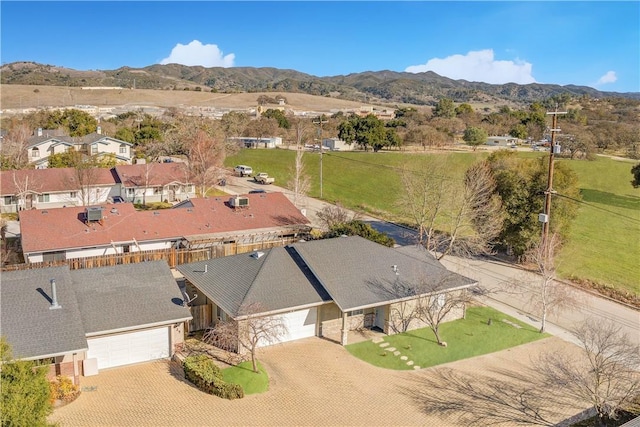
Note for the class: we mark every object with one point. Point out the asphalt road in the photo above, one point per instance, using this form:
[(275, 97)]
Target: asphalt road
[(509, 284)]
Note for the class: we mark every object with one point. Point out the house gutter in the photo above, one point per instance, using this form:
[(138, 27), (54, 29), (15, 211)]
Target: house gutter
[(403, 299), (280, 311), (44, 356), (135, 328)]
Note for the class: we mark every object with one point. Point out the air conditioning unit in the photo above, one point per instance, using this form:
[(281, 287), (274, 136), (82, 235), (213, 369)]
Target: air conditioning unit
[(93, 213), (238, 202)]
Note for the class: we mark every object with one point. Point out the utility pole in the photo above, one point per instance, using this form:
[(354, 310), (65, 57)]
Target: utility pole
[(554, 149), (320, 121)]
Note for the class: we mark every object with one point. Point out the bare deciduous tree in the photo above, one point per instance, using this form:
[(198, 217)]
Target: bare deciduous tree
[(428, 303), (547, 296), (423, 197), (247, 332), (475, 218), (469, 212), (606, 376), (300, 182), (14, 147), (332, 215)]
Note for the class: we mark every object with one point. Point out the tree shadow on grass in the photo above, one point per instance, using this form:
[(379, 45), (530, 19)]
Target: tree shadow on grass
[(500, 396), (610, 199)]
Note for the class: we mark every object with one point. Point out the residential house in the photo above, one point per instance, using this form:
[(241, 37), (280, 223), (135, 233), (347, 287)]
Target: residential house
[(44, 144), (104, 230), (54, 188), (502, 141), (81, 321), (321, 288), (251, 142), (154, 182), (336, 144)]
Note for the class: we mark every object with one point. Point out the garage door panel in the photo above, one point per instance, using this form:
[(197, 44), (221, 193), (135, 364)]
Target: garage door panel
[(132, 347), (300, 324)]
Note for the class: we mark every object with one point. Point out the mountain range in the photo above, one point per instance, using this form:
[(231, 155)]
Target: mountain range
[(371, 86)]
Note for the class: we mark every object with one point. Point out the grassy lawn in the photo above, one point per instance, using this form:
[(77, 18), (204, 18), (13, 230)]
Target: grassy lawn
[(465, 338), (604, 244), (243, 374)]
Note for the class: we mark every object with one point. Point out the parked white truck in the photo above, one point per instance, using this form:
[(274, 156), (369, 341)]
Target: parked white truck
[(264, 178)]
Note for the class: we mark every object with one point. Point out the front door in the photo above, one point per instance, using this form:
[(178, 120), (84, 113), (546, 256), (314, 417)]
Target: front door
[(379, 322)]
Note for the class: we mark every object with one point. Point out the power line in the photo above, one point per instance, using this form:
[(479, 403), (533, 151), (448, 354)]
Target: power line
[(582, 202)]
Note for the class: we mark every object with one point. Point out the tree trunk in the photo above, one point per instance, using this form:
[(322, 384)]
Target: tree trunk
[(254, 361)]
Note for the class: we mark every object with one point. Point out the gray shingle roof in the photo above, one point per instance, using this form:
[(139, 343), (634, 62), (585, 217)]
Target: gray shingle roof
[(128, 296), (273, 281), (358, 273), (32, 329), (351, 271)]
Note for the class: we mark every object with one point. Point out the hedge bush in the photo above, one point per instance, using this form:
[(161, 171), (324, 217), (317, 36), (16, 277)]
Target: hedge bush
[(204, 374)]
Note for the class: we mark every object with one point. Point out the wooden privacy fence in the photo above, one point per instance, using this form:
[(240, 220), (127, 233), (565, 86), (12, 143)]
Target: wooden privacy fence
[(173, 257), (202, 318)]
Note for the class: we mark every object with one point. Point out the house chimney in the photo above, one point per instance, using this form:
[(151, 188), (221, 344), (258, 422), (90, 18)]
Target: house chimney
[(99, 130), (39, 131), (54, 296)]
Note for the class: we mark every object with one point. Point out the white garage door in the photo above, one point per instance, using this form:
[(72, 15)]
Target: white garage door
[(300, 324), (132, 347)]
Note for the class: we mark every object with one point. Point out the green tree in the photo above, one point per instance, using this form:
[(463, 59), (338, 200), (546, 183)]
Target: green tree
[(445, 108), (24, 391), (67, 159), (635, 171), (125, 134), (521, 184), (475, 136), (283, 122), (519, 131), (360, 228), (464, 108)]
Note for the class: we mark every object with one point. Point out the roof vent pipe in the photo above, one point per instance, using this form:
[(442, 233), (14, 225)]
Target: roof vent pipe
[(54, 296), (205, 268)]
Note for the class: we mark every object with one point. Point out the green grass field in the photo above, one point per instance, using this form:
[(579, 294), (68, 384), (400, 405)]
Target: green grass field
[(468, 337), (604, 242), (251, 382)]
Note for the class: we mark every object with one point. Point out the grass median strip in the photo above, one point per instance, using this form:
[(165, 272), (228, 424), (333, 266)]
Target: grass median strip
[(469, 337)]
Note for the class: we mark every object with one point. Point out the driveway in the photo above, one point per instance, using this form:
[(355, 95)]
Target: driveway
[(312, 382)]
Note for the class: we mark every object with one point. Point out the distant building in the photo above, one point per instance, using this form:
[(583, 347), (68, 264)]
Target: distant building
[(249, 142), (336, 144), (502, 141)]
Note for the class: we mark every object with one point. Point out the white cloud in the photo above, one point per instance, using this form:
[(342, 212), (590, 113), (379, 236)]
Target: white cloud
[(478, 66), (196, 53), (609, 77)]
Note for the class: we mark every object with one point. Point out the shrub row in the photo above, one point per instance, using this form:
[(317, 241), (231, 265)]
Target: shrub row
[(205, 375)]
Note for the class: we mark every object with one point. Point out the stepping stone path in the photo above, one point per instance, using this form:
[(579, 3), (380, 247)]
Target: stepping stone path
[(385, 346)]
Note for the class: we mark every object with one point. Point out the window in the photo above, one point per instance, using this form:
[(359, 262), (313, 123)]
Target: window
[(131, 192), (73, 195), (35, 153), (10, 200), (43, 198), (438, 302), (94, 149), (355, 313), (123, 148), (157, 190)]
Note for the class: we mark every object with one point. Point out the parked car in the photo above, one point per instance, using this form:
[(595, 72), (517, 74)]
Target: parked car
[(264, 178), (258, 191), (243, 170)]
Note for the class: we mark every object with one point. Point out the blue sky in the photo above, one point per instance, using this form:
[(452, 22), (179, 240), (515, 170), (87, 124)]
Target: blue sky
[(588, 43)]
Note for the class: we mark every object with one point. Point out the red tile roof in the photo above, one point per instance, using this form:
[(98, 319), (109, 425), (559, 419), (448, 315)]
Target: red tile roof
[(49, 180), (152, 174), (64, 228)]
